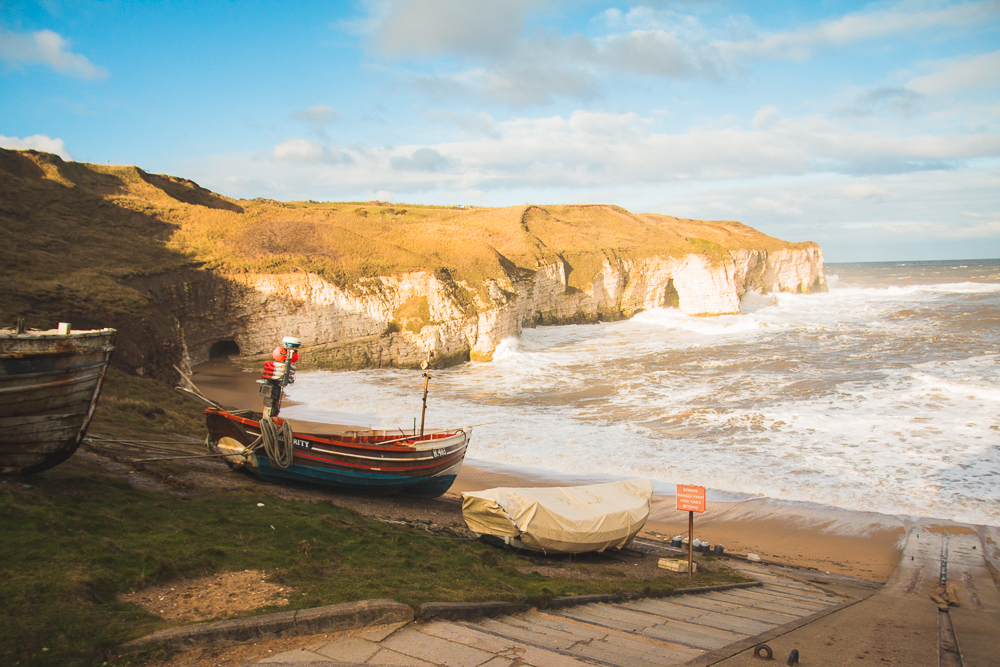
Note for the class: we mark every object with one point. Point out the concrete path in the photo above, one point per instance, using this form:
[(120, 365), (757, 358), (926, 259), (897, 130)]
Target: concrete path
[(902, 624), (640, 633), (941, 608)]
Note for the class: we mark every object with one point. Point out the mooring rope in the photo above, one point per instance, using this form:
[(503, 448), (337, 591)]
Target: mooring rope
[(279, 449)]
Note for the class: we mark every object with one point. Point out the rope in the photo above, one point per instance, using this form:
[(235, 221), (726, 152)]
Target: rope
[(278, 449)]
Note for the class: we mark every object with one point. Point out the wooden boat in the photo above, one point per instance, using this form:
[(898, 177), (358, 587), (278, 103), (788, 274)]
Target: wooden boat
[(49, 385), (365, 461)]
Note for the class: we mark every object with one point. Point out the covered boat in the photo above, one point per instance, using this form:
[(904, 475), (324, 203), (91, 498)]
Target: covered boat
[(49, 385), (359, 461), (561, 519)]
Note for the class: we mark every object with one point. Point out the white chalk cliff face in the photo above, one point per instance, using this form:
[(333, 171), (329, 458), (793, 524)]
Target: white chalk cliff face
[(396, 321)]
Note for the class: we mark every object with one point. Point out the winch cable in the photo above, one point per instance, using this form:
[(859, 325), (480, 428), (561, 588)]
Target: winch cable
[(280, 454), (106, 445)]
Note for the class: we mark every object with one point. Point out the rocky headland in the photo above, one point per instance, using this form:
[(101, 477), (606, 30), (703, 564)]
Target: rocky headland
[(186, 274)]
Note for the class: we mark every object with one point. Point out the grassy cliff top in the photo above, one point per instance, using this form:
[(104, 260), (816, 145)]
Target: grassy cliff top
[(79, 232)]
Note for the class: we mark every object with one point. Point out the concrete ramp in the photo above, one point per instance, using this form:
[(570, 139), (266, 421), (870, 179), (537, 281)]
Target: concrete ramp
[(642, 633), (940, 608)]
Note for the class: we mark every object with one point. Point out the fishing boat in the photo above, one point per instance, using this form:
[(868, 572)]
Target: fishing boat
[(376, 462), (420, 463), (49, 385)]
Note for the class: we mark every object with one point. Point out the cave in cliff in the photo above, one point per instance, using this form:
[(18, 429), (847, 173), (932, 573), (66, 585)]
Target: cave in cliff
[(223, 349)]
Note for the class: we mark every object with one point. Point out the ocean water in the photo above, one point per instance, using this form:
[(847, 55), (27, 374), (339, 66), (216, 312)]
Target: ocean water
[(881, 395)]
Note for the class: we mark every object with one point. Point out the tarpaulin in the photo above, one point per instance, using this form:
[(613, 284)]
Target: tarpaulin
[(562, 519)]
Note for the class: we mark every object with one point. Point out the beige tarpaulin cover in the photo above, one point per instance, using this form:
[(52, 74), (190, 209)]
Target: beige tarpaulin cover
[(562, 519)]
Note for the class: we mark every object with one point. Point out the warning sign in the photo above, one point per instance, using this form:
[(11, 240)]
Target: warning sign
[(690, 498)]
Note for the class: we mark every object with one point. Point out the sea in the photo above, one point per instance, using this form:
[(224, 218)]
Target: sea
[(882, 394)]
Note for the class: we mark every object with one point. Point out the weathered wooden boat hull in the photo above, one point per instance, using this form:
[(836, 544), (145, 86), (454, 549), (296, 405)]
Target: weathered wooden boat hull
[(49, 386), (385, 464)]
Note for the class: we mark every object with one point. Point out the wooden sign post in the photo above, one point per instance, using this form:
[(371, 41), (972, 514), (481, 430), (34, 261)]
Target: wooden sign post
[(690, 499)]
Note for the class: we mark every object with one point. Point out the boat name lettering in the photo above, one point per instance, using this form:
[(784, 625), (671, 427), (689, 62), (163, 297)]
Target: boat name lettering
[(302, 443)]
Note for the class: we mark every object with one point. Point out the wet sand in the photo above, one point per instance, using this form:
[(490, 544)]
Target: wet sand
[(861, 544), (858, 544)]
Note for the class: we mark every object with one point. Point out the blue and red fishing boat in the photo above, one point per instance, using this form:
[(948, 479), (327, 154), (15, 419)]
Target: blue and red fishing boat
[(369, 462), (421, 463)]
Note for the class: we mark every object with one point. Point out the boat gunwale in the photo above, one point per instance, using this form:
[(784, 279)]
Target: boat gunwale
[(255, 423), (11, 334), (447, 458)]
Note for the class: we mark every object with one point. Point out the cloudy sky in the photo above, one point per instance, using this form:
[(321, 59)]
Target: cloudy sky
[(871, 128)]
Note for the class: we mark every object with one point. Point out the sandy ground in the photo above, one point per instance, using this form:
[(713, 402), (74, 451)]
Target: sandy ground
[(830, 540), (210, 598)]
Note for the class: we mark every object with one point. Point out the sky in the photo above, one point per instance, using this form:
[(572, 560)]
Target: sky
[(870, 128)]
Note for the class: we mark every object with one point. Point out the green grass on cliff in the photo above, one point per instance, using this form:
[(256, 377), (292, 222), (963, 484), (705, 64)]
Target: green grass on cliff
[(80, 239)]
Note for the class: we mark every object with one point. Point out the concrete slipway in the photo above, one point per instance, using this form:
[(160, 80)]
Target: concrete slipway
[(636, 633), (940, 608), (829, 620)]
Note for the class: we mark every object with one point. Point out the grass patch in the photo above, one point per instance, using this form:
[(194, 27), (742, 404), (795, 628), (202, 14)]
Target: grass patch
[(74, 541), (135, 407)]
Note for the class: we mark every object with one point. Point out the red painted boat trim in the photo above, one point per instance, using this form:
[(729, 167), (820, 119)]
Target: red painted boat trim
[(340, 443), (439, 462)]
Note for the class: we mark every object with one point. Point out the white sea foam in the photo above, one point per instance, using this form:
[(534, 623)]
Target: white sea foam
[(871, 397)]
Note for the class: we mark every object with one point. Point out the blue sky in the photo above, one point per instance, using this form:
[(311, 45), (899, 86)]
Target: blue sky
[(870, 128)]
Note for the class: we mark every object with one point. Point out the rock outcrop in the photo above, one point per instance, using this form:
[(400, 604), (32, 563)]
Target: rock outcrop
[(397, 320)]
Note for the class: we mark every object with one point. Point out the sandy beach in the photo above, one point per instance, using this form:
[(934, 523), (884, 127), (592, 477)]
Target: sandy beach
[(860, 544)]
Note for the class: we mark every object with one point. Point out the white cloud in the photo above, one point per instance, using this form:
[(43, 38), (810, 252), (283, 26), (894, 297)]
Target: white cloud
[(657, 53), (422, 159), (613, 150), (781, 203), (303, 150), (519, 68), (902, 216), (863, 191), (47, 48), (981, 71), (38, 142), (430, 27), (894, 100), (859, 26), (480, 123), (318, 114)]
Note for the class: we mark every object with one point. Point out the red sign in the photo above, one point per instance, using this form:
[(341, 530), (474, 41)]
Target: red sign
[(690, 498)]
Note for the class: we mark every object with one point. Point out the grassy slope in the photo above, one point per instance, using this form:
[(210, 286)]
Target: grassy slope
[(77, 233), (75, 537)]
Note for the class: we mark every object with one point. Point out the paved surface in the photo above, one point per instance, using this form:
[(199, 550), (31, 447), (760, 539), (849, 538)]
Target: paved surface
[(836, 622), (640, 633), (899, 625)]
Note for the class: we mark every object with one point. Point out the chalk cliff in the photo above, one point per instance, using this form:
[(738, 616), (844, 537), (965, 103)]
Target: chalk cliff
[(348, 329), (184, 273)]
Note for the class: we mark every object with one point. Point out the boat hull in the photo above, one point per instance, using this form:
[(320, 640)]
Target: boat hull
[(386, 464), (49, 386)]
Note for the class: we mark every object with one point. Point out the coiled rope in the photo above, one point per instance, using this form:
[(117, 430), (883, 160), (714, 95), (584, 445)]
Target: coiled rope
[(278, 447)]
